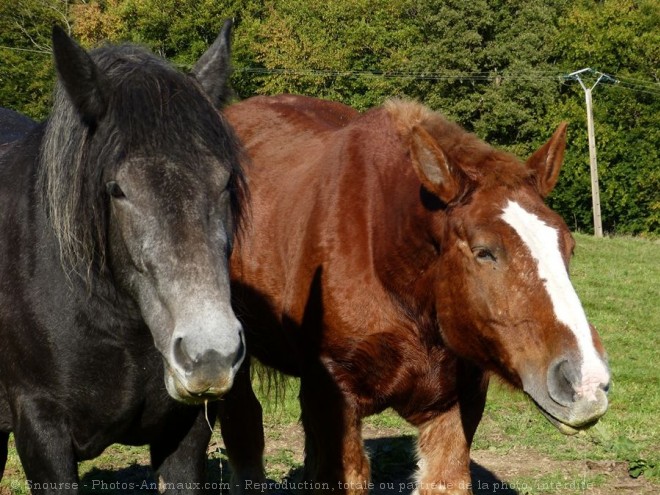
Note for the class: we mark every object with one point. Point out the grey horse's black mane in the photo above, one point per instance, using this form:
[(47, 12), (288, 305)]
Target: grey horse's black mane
[(151, 108)]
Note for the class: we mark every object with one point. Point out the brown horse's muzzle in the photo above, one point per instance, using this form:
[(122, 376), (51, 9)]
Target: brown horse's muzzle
[(570, 401), (582, 414)]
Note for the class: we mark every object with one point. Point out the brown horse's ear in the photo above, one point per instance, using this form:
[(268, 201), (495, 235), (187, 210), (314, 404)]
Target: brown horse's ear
[(546, 161), (432, 166)]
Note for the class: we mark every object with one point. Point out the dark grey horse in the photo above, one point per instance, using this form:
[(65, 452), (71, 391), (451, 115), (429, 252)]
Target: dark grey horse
[(116, 222), (13, 127)]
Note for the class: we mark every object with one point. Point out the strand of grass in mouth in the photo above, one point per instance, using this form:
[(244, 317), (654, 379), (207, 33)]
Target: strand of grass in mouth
[(206, 414)]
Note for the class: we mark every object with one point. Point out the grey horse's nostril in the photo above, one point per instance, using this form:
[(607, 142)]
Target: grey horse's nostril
[(203, 369), (181, 357)]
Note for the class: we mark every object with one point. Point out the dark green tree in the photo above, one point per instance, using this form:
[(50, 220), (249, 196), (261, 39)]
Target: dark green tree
[(622, 38), (494, 66), (26, 69)]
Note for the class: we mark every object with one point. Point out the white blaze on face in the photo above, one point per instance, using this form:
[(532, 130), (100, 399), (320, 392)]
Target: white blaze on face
[(543, 244)]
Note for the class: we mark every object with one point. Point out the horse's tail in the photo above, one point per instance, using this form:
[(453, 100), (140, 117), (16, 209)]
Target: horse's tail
[(271, 385)]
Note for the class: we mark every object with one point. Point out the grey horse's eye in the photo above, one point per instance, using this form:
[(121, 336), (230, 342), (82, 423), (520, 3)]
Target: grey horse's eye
[(114, 190)]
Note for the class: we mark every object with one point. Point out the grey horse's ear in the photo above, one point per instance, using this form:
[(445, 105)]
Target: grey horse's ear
[(80, 77), (213, 69)]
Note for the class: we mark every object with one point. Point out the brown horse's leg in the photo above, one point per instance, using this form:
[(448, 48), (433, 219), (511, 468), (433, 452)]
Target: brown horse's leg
[(334, 453), (444, 442), (444, 456), (242, 430), (356, 462)]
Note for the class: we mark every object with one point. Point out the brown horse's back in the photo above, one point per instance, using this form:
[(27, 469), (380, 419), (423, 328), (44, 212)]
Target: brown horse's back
[(286, 136), (295, 120)]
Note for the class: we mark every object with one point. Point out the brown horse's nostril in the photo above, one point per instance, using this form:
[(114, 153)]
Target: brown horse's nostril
[(562, 378)]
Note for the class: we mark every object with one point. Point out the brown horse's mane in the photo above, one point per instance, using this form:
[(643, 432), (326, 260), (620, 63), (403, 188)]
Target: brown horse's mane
[(479, 161)]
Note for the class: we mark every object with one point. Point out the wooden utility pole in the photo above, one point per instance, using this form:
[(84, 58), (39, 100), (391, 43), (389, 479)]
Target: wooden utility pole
[(595, 189)]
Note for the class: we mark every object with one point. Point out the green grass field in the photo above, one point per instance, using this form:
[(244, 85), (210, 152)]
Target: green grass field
[(618, 281)]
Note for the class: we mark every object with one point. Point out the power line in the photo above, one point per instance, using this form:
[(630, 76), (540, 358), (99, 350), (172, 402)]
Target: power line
[(43, 52), (638, 85), (367, 73), (655, 93), (640, 82)]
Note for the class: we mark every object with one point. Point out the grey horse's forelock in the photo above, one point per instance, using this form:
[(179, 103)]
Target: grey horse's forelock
[(62, 182)]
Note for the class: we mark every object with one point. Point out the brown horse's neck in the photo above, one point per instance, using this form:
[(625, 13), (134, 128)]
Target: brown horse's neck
[(403, 249)]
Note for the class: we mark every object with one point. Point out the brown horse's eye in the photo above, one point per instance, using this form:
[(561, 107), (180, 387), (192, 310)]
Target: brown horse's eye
[(114, 190), (484, 254)]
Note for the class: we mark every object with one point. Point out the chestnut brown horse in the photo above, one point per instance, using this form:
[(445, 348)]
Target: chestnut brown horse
[(395, 260)]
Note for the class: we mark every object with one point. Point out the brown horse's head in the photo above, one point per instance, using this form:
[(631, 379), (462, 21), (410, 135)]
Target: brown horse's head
[(502, 292)]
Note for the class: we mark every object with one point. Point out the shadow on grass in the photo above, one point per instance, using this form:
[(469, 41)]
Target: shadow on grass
[(393, 464), (131, 480), (392, 468), (140, 480)]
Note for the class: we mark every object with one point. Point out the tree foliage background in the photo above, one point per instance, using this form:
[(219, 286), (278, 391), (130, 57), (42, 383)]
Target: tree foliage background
[(495, 66)]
